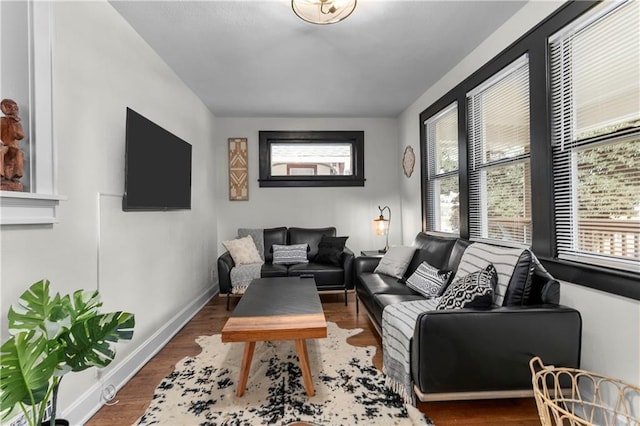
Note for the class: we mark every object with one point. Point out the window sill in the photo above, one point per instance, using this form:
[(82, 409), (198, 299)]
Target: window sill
[(621, 283), (26, 208)]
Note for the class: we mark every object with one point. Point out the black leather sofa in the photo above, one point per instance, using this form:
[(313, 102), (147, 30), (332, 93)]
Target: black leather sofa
[(470, 353), (328, 277)]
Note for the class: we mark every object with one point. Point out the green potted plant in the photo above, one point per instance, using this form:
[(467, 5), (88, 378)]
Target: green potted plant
[(50, 337)]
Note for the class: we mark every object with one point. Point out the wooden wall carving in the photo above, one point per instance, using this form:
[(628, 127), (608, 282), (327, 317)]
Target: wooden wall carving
[(238, 170)]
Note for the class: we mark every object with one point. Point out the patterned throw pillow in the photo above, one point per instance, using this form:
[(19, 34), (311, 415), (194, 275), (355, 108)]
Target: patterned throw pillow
[(243, 251), (471, 291), (504, 259), (427, 280), (395, 261), (289, 255)]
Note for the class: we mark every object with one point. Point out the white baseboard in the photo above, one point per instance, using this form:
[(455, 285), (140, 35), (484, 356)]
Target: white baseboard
[(92, 400)]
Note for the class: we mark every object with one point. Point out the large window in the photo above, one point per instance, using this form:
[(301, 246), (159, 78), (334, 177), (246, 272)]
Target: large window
[(595, 89), (499, 168), (443, 188), (552, 137)]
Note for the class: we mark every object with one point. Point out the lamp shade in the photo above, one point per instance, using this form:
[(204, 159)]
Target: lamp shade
[(381, 226), (323, 11)]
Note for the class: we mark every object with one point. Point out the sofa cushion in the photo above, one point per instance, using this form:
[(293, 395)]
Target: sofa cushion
[(395, 261), (269, 270), (273, 236), (471, 291), (382, 300), (243, 250), (432, 249), (456, 254), (519, 290), (290, 254), (372, 283), (311, 236), (428, 280), (504, 259), (330, 250), (325, 275), (544, 288)]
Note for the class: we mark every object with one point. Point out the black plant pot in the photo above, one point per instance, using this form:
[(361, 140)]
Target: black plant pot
[(58, 422)]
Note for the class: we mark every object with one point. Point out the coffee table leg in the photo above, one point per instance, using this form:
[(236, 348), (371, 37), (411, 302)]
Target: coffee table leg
[(301, 348), (246, 366)]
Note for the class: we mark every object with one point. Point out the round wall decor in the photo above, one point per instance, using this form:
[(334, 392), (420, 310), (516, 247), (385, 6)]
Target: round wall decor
[(408, 161)]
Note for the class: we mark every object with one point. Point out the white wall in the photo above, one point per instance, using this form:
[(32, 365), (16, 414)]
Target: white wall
[(611, 324), (152, 264), (350, 209)]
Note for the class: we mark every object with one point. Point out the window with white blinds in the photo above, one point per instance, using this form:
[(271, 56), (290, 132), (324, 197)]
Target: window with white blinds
[(443, 189), (595, 90), (499, 166)]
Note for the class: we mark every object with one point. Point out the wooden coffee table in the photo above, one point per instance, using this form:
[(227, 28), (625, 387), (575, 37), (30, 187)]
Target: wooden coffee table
[(286, 308)]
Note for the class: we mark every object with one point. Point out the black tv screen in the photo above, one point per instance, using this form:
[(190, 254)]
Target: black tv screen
[(157, 167)]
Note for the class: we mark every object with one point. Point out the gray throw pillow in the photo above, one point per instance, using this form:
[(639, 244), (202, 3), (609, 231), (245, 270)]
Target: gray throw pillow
[(395, 261), (428, 280), (471, 291), (289, 255)]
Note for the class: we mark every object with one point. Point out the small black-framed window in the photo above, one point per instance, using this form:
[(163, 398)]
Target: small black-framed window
[(311, 158)]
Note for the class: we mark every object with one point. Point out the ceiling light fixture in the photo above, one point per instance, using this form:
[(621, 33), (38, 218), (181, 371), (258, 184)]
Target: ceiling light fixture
[(323, 11)]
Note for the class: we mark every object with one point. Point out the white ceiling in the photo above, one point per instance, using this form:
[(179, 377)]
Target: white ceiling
[(257, 58)]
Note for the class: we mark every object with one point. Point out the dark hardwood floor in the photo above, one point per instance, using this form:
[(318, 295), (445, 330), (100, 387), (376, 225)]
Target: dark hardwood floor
[(136, 395)]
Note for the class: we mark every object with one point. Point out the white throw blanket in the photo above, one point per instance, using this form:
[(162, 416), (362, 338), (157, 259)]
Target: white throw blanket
[(398, 323), (241, 276)]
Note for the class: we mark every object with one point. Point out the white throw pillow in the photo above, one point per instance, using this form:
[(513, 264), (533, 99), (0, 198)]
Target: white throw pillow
[(243, 251), (428, 280), (395, 261), (290, 255)]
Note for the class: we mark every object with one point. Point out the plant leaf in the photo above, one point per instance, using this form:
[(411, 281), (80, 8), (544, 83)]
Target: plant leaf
[(83, 305), (26, 369), (36, 309), (91, 343)]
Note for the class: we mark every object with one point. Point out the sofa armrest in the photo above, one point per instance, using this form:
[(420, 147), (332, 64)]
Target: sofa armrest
[(225, 263), (365, 264), (347, 259), (470, 350)]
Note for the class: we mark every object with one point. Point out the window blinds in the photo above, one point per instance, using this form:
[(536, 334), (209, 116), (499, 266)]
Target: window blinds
[(595, 104), (499, 174), (442, 168)]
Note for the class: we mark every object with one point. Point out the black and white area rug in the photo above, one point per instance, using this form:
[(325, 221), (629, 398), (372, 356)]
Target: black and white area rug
[(349, 389)]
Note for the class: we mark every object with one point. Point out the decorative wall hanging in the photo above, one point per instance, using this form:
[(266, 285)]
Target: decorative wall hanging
[(408, 161), (238, 170)]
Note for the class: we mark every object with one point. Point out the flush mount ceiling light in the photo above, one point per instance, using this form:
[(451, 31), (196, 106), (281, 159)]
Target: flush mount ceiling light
[(323, 11)]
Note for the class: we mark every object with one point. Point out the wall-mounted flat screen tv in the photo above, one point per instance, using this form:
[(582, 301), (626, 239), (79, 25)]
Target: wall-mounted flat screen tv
[(157, 171)]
